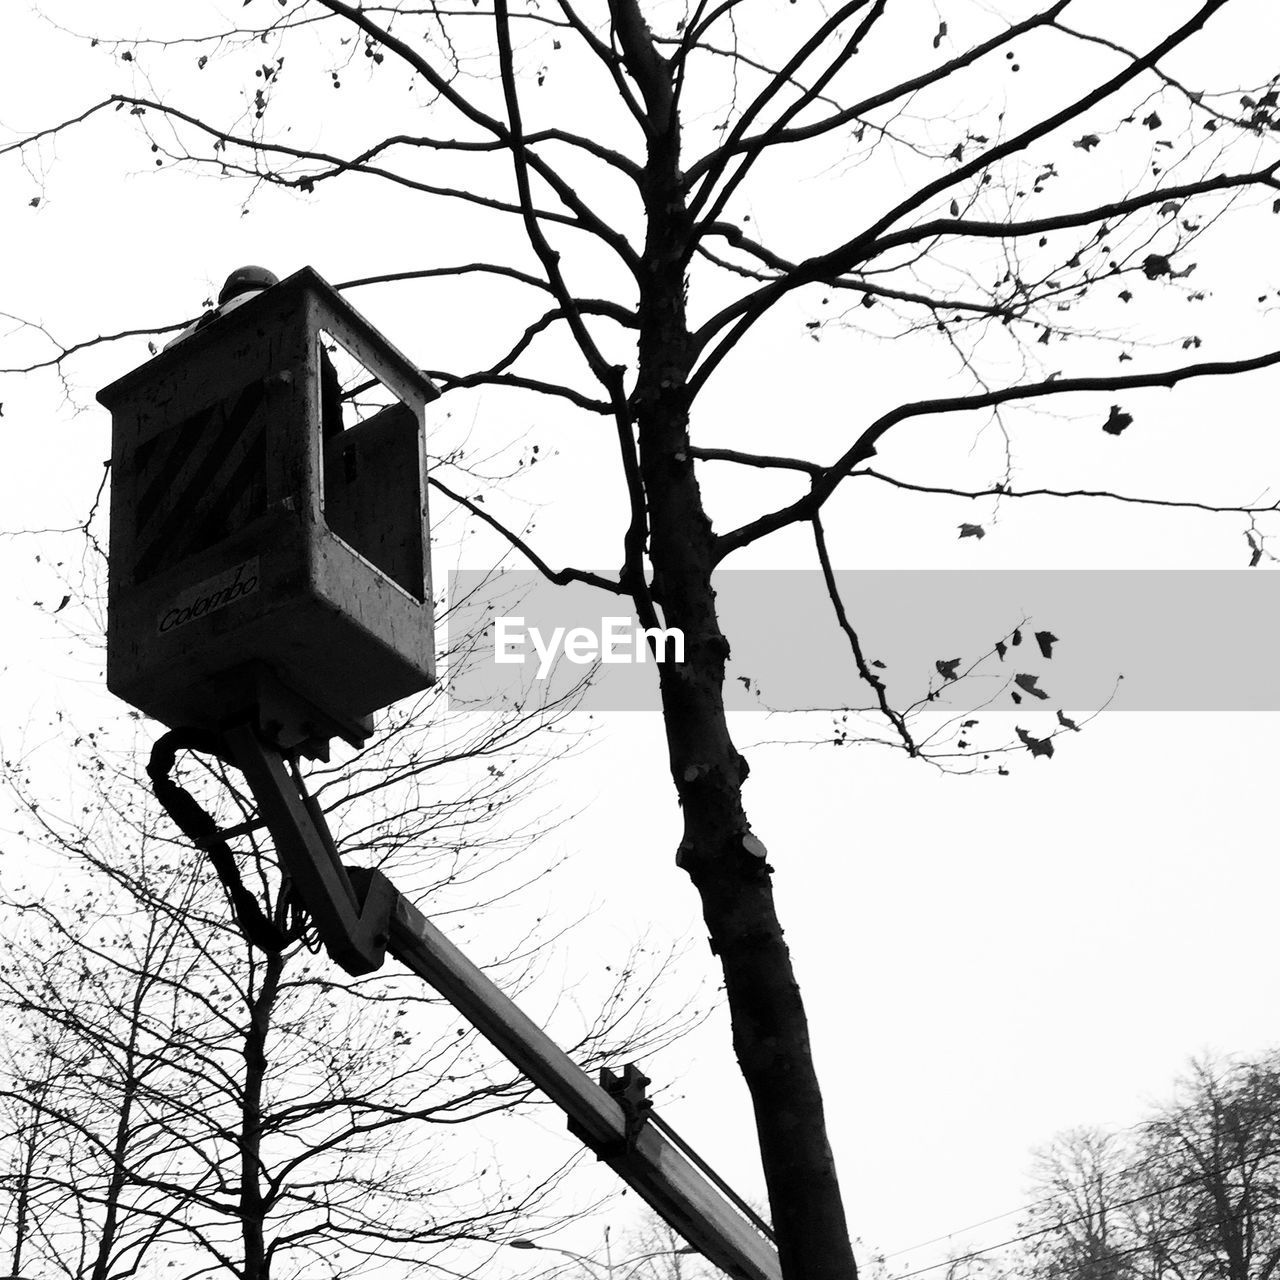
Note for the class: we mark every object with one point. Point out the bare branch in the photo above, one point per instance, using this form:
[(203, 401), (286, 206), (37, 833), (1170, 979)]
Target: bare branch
[(742, 314), (774, 136), (608, 58), (86, 343), (559, 576), (608, 375), (473, 145), (763, 460), (454, 382), (698, 26), (338, 165), (428, 273), (679, 61), (999, 491), (1193, 96), (589, 306), (54, 129), (864, 667), (564, 190), (702, 199), (647, 66), (947, 227), (853, 284), (864, 447)]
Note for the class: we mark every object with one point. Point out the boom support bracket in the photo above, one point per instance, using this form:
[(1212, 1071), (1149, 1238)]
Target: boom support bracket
[(352, 914), (350, 907)]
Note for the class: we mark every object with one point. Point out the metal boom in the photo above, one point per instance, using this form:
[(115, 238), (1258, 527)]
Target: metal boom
[(360, 916)]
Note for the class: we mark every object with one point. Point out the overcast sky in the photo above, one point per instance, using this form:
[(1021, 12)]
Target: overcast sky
[(986, 959)]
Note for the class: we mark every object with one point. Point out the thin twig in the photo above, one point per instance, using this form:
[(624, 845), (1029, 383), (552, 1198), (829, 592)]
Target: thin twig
[(864, 667)]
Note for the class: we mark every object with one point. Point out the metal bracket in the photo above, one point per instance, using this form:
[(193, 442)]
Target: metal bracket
[(628, 1090), (290, 723), (351, 908)]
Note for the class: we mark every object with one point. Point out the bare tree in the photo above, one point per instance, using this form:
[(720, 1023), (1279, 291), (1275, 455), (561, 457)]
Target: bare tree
[(989, 236), (1214, 1155), (1192, 1191), (181, 1098), (1081, 1226), (30, 1143)]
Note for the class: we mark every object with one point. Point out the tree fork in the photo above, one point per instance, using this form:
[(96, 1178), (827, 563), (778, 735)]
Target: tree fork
[(770, 1028)]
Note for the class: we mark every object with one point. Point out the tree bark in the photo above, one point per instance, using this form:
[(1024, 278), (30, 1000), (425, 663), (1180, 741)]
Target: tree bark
[(770, 1029), (253, 1206), (130, 1083), (22, 1201)]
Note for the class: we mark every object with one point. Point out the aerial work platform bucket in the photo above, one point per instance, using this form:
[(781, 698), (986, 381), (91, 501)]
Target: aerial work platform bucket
[(269, 589), (269, 538)]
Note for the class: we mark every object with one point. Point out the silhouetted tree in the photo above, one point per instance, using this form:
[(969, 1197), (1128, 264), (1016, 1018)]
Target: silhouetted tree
[(1193, 1191), (180, 1099), (989, 185)]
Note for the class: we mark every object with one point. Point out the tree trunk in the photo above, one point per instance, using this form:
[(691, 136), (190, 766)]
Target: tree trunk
[(130, 1083), (770, 1030), (22, 1201), (253, 1206)]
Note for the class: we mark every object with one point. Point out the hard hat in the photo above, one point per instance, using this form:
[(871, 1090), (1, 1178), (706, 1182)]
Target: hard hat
[(245, 279)]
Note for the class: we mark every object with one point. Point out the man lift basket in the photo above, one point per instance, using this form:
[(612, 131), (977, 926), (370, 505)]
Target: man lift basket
[(269, 590)]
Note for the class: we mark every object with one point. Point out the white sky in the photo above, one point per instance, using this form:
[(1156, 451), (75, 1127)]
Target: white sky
[(986, 960)]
